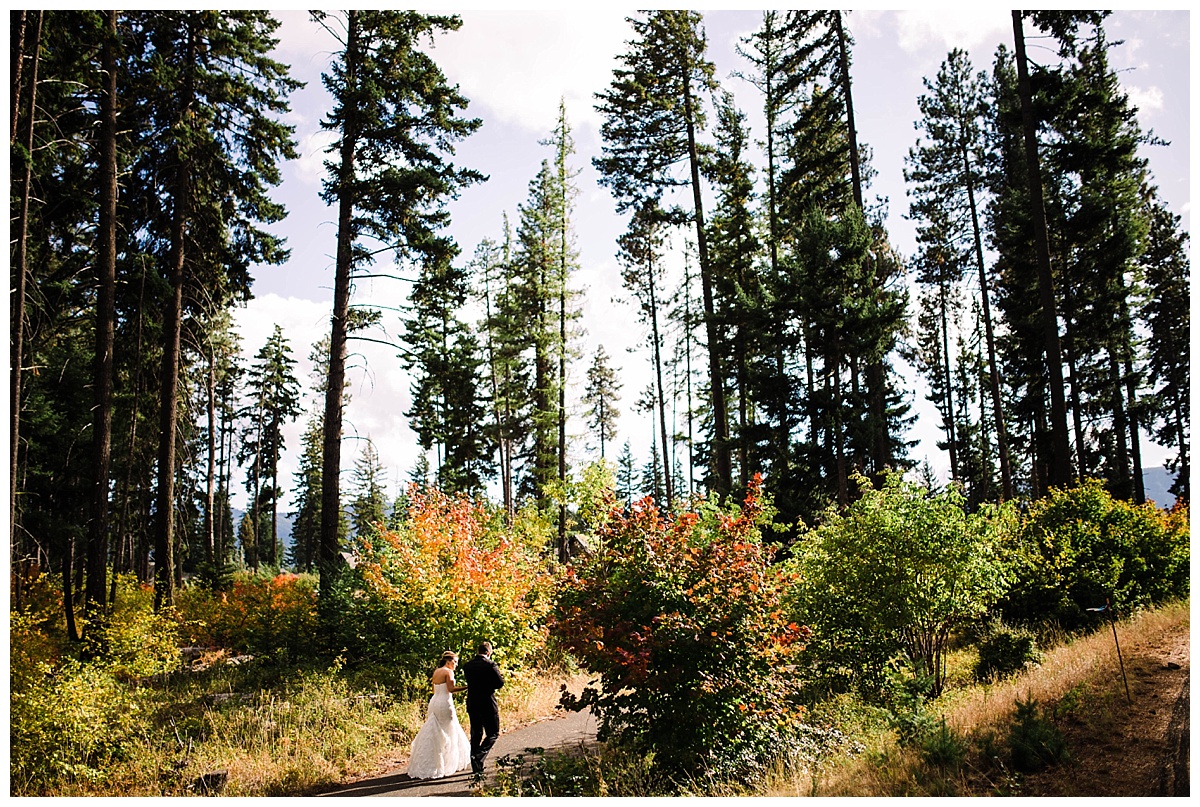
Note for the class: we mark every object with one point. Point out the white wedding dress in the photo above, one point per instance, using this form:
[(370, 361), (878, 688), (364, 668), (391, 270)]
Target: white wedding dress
[(441, 747)]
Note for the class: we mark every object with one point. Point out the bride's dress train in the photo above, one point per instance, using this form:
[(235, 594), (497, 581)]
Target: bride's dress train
[(441, 746)]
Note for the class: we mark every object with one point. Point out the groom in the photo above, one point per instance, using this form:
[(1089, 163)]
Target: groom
[(483, 679)]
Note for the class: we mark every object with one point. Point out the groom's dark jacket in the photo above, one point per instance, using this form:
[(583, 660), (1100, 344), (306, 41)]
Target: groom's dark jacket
[(483, 679)]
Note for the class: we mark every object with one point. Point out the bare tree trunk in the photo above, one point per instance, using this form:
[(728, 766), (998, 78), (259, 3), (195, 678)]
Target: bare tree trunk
[(17, 23), (332, 448), (950, 425), (124, 540), (657, 345), (1006, 480), (106, 265), (22, 272), (211, 471)]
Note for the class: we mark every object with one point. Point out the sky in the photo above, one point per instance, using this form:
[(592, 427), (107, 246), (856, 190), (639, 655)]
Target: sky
[(515, 66)]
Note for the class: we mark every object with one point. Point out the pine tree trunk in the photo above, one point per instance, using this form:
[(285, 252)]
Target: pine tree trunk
[(1076, 406), (68, 589), (1135, 440), (1181, 431), (332, 439), (662, 412), (164, 548), (1060, 470), (563, 553), (1006, 477), (881, 453), (953, 441), (721, 460), (106, 266), (211, 472), (125, 546), (1122, 486), (22, 272), (17, 27)]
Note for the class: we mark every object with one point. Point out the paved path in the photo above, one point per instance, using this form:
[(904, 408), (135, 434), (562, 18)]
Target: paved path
[(559, 732)]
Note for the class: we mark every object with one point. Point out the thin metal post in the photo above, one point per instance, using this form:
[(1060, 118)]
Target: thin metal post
[(1120, 660)]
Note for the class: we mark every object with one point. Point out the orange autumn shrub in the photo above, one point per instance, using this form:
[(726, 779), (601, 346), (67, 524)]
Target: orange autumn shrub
[(257, 614), (450, 575)]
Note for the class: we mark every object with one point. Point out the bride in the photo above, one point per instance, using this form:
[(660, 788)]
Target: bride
[(441, 746)]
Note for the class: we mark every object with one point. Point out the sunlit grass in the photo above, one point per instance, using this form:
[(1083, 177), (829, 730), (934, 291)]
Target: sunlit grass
[(980, 712)]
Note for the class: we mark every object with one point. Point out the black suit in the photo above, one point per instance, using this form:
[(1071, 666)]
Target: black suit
[(483, 679)]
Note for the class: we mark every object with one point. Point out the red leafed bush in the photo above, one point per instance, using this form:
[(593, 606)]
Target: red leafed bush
[(680, 616)]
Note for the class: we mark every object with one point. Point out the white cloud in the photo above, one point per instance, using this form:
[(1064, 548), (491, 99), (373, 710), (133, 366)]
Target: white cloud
[(309, 167), (1148, 99), (943, 28), (519, 64)]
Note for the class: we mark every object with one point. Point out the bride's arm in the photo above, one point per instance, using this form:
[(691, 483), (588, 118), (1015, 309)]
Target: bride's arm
[(454, 688)]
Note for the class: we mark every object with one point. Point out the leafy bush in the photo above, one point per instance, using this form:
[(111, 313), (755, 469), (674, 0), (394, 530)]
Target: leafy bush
[(1080, 547), (450, 575), (132, 640), (896, 572), (257, 614), (1034, 741), (68, 723), (681, 617), (1005, 650)]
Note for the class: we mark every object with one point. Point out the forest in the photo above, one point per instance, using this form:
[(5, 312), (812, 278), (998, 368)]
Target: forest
[(1046, 308)]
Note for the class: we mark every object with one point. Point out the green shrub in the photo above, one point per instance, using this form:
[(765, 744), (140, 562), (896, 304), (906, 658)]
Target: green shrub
[(681, 618), (1080, 547), (943, 748), (1034, 741), (68, 723), (132, 640), (1005, 650), (895, 573)]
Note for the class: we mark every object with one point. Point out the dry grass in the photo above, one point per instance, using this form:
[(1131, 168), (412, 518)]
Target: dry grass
[(529, 695), (884, 769), (1062, 669)]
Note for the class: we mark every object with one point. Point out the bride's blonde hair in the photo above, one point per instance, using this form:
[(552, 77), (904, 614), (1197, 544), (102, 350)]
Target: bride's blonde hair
[(448, 656)]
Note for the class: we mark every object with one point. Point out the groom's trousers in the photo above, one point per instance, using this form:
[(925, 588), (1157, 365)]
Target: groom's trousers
[(485, 729)]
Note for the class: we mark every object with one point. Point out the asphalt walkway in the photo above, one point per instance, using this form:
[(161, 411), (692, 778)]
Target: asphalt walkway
[(566, 731)]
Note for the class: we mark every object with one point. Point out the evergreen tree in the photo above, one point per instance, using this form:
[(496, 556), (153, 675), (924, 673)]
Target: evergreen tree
[(652, 116), (945, 172), (444, 358), (601, 395), (1064, 26), (213, 98), (369, 506), (306, 515), (734, 250), (1167, 313), (641, 257), (274, 396), (395, 119), (624, 487)]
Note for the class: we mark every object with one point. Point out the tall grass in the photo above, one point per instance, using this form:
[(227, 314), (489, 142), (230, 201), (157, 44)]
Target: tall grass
[(273, 731)]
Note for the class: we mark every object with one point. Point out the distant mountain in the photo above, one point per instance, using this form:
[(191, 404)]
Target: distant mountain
[(1158, 483)]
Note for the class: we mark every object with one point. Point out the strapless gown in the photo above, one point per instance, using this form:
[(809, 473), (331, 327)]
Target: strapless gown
[(441, 747)]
